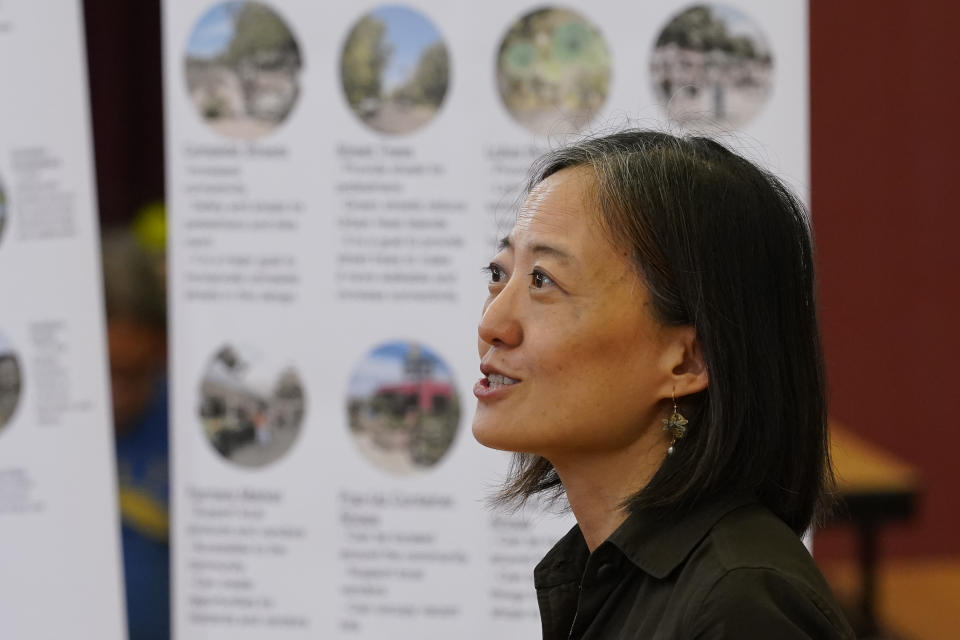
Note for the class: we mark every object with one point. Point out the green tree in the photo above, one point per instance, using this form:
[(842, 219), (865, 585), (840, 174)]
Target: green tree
[(260, 34), (428, 85), (699, 29), (365, 55)]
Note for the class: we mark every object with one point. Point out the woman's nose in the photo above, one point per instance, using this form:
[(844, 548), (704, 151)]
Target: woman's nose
[(500, 323)]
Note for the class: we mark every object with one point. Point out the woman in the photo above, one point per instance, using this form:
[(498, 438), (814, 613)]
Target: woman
[(650, 349)]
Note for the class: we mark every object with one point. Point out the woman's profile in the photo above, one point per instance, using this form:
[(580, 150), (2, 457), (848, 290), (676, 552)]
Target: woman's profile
[(650, 348)]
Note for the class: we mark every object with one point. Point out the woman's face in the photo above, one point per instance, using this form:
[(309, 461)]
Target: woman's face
[(573, 360)]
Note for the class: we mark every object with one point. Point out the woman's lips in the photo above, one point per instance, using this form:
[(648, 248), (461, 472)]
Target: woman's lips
[(494, 385)]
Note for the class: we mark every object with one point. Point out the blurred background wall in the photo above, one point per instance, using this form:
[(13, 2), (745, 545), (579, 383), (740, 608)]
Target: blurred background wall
[(884, 109), (126, 94)]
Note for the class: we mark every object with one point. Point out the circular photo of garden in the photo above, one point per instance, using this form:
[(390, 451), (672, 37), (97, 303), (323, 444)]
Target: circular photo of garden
[(242, 67), (553, 71), (711, 68), (3, 209), (403, 407), (11, 382), (395, 69), (251, 406)]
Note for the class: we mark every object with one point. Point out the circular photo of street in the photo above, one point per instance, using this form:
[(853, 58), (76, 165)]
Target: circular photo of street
[(242, 67), (711, 68), (403, 407), (251, 406), (395, 69), (11, 382), (553, 71)]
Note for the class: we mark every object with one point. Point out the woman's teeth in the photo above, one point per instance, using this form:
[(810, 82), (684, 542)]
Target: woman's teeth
[(497, 380)]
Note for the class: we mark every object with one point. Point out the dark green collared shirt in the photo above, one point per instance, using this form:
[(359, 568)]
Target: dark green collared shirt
[(728, 569)]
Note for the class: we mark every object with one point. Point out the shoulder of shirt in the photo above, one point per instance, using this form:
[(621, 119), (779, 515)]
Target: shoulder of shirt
[(763, 579), (752, 536)]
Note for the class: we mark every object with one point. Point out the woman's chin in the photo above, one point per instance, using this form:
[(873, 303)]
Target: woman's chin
[(482, 435), (494, 436)]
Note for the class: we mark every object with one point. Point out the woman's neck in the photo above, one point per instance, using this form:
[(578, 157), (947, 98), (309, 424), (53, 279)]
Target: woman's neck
[(597, 485)]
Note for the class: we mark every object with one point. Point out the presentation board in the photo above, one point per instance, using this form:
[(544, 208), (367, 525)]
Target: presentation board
[(59, 529), (338, 175)]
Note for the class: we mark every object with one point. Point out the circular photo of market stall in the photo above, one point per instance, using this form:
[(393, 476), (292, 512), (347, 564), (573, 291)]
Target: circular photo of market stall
[(11, 382), (242, 67), (553, 71), (395, 69), (403, 409), (251, 405), (711, 68)]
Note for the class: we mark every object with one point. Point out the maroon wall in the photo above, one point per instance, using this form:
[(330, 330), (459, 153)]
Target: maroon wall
[(885, 144), (123, 59)]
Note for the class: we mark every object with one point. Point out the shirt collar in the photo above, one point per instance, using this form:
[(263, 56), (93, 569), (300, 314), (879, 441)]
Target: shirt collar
[(658, 542), (564, 563)]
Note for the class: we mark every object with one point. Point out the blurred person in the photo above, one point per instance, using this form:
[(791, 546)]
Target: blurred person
[(650, 349), (136, 338)]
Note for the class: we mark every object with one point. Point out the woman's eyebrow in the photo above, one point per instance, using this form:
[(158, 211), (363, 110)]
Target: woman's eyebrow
[(539, 249), (546, 249)]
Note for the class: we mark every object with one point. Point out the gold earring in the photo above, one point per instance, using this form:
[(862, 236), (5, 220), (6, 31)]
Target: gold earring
[(675, 425)]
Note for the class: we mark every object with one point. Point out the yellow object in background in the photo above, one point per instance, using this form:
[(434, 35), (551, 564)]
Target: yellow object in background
[(150, 227)]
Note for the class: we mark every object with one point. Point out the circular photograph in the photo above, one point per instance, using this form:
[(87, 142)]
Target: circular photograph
[(395, 69), (242, 63), (403, 407), (251, 407), (3, 209), (11, 382), (712, 68), (553, 71)]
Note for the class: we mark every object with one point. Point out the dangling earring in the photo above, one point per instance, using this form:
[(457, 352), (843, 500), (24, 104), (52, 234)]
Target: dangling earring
[(675, 425)]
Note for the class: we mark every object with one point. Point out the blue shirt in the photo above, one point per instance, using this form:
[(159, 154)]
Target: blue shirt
[(144, 509)]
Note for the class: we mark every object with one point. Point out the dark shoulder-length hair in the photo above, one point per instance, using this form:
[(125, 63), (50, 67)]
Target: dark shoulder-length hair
[(724, 246)]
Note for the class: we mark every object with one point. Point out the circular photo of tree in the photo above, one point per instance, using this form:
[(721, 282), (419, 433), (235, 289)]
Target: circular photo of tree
[(242, 67), (711, 68), (403, 408), (395, 69), (3, 209), (553, 71), (251, 406), (11, 382)]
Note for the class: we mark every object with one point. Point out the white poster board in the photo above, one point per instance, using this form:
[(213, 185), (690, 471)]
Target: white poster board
[(338, 175), (60, 572)]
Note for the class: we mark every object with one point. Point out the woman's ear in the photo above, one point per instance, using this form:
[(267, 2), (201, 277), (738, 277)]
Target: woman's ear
[(689, 372)]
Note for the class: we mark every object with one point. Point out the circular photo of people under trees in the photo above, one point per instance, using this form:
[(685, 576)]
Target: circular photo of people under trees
[(251, 406), (403, 408), (711, 68), (395, 69), (10, 382), (553, 71), (242, 68)]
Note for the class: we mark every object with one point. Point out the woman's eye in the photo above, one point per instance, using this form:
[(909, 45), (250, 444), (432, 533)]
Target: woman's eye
[(495, 272), (538, 279)]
